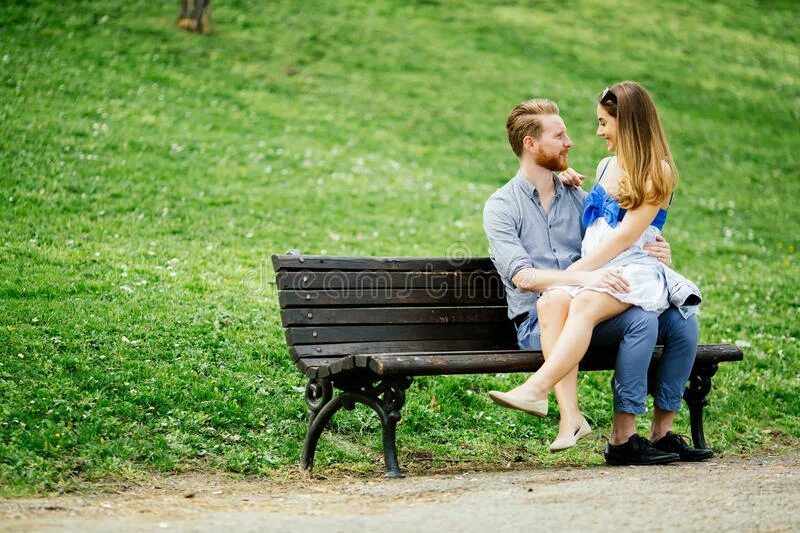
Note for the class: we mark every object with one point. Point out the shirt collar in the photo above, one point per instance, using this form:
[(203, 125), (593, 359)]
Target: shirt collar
[(530, 191)]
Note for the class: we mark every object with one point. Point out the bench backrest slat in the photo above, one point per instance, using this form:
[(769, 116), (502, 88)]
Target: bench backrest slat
[(478, 281), (409, 332), (393, 315), (392, 297), (396, 264)]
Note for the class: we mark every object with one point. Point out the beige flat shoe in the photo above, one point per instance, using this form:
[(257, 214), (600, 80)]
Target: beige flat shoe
[(538, 408), (568, 442)]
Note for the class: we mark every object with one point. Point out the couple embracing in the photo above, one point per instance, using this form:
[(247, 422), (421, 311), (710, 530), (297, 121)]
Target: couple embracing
[(591, 271)]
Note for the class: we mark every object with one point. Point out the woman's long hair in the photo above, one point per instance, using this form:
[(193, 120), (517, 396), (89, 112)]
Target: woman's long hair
[(642, 148)]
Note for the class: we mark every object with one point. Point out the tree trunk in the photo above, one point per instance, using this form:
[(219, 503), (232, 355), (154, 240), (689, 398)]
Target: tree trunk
[(195, 16)]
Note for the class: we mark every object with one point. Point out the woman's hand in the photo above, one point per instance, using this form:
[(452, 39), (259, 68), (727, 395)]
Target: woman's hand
[(660, 249), (571, 178), (606, 278)]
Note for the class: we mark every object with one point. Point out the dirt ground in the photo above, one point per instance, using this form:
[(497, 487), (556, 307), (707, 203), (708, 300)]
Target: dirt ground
[(754, 494)]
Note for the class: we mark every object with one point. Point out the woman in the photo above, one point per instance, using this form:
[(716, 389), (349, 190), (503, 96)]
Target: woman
[(626, 209)]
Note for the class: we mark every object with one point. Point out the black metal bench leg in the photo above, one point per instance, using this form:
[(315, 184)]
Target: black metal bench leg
[(388, 410), (695, 397), (321, 408), (394, 397)]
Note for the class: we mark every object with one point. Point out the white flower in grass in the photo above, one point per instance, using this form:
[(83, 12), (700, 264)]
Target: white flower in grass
[(741, 343), (126, 288)]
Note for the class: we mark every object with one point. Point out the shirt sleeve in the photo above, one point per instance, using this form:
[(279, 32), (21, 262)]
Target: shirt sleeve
[(505, 247)]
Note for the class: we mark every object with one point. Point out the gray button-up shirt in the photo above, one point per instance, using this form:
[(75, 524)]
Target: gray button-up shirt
[(522, 235)]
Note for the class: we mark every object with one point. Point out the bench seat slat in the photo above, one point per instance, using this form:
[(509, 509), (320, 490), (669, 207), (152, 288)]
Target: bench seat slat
[(393, 315), (349, 348), (489, 361)]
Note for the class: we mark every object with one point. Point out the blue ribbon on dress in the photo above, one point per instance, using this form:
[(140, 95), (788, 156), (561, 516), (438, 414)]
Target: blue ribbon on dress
[(600, 205)]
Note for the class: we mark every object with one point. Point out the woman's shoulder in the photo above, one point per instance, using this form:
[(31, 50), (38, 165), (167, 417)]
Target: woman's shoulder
[(668, 186), (602, 166)]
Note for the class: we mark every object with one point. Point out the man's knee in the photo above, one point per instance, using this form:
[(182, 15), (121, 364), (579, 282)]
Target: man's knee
[(673, 328), (638, 321)]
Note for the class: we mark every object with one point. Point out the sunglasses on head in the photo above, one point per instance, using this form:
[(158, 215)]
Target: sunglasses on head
[(608, 96)]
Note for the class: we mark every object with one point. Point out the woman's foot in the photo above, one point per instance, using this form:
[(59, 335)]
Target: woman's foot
[(523, 398), (571, 438)]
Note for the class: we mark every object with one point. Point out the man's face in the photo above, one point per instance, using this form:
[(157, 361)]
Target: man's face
[(551, 148)]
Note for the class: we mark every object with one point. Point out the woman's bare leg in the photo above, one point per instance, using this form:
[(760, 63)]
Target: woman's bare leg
[(586, 310), (553, 309)]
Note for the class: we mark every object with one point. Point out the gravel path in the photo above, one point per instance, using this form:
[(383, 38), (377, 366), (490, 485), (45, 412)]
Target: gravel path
[(741, 494)]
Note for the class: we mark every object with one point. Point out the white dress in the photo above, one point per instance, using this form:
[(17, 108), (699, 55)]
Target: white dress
[(645, 275)]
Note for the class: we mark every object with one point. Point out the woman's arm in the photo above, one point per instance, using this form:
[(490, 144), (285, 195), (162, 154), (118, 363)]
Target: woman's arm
[(624, 235)]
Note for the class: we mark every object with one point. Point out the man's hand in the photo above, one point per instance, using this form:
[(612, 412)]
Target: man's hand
[(660, 249), (571, 178), (606, 278), (525, 279)]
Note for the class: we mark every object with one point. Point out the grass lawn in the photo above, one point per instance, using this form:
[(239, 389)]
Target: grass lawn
[(147, 174)]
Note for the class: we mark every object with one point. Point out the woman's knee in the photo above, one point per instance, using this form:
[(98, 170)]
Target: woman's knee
[(553, 303), (589, 306)]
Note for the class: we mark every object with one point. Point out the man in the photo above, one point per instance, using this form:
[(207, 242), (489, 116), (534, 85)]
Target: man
[(534, 232)]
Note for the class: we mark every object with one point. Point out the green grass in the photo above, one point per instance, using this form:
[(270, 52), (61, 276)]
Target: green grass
[(148, 174)]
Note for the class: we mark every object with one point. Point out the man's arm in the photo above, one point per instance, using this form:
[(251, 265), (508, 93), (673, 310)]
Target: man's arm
[(513, 262), (508, 254), (534, 279)]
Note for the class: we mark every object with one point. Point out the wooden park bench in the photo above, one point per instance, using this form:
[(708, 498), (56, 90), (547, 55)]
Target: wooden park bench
[(367, 325)]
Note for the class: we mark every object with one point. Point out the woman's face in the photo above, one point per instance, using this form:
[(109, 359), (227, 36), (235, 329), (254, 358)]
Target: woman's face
[(607, 128)]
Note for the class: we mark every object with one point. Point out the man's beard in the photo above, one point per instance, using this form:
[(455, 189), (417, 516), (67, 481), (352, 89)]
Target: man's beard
[(554, 162)]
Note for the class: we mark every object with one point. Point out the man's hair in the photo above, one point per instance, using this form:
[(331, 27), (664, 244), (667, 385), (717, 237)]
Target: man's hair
[(524, 121), (642, 148)]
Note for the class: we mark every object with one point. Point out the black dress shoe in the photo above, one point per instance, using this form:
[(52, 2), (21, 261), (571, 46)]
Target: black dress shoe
[(637, 451), (673, 443)]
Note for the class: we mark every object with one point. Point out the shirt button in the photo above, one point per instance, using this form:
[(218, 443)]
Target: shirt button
[(554, 250)]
